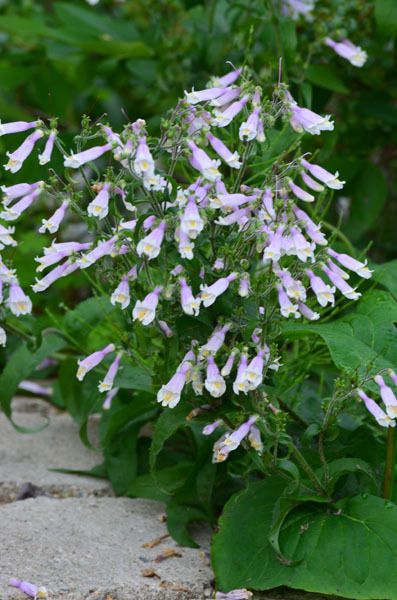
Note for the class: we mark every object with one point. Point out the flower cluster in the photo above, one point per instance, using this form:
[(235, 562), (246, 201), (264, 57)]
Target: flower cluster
[(255, 244), (385, 419)]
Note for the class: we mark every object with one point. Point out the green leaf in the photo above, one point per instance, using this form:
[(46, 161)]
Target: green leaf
[(82, 320), (325, 77), (365, 335), (369, 190), (341, 466), (386, 16), (134, 378), (386, 275), (348, 550), (23, 26), (121, 459), (178, 518), (160, 484), (21, 364), (170, 420)]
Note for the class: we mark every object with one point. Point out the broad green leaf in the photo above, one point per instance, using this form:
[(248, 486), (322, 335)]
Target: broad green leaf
[(121, 459), (134, 378), (23, 26), (178, 518), (83, 319), (341, 466), (20, 365), (348, 550), (369, 190), (365, 335), (170, 420), (325, 77), (386, 15), (160, 485), (386, 275)]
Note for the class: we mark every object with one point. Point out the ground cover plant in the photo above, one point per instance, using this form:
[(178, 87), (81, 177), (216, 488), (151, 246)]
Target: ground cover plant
[(234, 341)]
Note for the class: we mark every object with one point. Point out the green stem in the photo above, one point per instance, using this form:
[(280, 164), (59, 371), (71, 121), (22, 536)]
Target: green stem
[(308, 470), (388, 480), (339, 234)]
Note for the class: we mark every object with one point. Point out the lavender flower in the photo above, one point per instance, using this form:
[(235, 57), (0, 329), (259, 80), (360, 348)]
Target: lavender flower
[(228, 366), (230, 158), (214, 382), (17, 126), (227, 79), (381, 417), (203, 163), (170, 394), (45, 157), (286, 307), (121, 294), (6, 238), (388, 397), (323, 175), (52, 224), (18, 302), (101, 250), (300, 193), (143, 163), (354, 54), (209, 429), (151, 244), (15, 211), (99, 206), (75, 161), (91, 361), (341, 284), (107, 384), (324, 293), (18, 190), (191, 222), (145, 311), (210, 293), (351, 263), (190, 304), (221, 119), (307, 312)]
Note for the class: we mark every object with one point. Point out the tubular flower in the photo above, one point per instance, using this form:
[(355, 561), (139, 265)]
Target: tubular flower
[(93, 360), (15, 211), (351, 263), (107, 384), (6, 238), (286, 307), (232, 441), (18, 190), (191, 222), (381, 417), (203, 163), (3, 337), (387, 396), (52, 224), (338, 270), (143, 162), (330, 180), (300, 193), (74, 161), (311, 183), (45, 157), (227, 79), (145, 311), (18, 302), (209, 293), (244, 288), (274, 249), (215, 341), (307, 312), (254, 371), (254, 438), (301, 247), (151, 244), (240, 383), (294, 288), (304, 119), (228, 366), (354, 54), (214, 382), (324, 293), (60, 271), (185, 244), (208, 429), (223, 118), (170, 394), (49, 259), (99, 206), (165, 329), (190, 304), (29, 588), (109, 397), (7, 275), (194, 97), (249, 129), (101, 250), (17, 126), (341, 284), (121, 294), (230, 158), (229, 95)]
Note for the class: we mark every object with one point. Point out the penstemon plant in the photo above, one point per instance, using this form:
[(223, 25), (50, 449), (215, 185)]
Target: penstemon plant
[(199, 260)]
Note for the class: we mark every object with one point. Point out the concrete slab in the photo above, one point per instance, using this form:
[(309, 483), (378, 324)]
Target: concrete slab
[(27, 457), (91, 548)]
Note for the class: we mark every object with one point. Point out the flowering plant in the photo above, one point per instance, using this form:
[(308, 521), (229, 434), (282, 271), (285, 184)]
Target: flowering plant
[(202, 262)]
